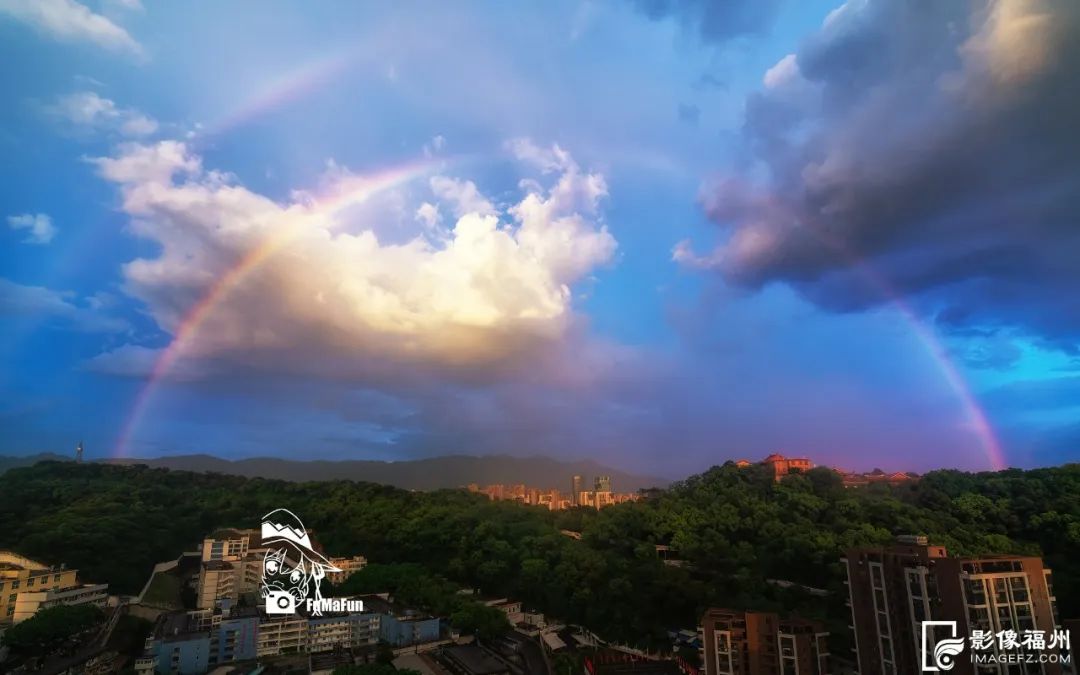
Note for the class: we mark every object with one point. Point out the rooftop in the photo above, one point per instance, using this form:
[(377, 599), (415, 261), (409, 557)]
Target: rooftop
[(175, 627), (610, 662), (380, 605)]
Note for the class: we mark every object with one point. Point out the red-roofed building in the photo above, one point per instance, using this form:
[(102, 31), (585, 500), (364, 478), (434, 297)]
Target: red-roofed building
[(782, 466)]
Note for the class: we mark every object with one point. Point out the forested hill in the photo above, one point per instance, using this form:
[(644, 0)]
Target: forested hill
[(734, 527)]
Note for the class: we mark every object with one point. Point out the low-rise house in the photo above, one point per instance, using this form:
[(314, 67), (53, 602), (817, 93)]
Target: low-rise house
[(400, 626)]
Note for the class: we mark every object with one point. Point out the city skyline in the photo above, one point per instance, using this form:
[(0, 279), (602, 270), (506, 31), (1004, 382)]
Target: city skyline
[(657, 235)]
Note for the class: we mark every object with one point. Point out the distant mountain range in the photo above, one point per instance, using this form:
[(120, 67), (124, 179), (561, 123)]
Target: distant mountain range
[(420, 474), (15, 462)]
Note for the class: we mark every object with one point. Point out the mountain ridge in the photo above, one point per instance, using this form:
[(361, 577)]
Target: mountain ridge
[(433, 473)]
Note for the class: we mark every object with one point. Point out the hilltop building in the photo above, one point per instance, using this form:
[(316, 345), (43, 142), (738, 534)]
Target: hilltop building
[(782, 466), (27, 586), (736, 642), (893, 589)]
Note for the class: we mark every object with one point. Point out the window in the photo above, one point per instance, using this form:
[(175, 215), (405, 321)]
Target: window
[(976, 592), (919, 611)]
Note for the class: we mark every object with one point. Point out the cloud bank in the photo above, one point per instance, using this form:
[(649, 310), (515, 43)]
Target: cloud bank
[(925, 151)]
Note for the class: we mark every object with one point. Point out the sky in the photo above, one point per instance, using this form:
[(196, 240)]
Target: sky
[(660, 234)]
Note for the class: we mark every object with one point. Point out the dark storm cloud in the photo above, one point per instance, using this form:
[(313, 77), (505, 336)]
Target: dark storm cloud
[(714, 20), (924, 149)]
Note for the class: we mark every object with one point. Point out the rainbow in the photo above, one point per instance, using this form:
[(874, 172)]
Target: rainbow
[(978, 420), (358, 189), (349, 192), (288, 86), (977, 417)]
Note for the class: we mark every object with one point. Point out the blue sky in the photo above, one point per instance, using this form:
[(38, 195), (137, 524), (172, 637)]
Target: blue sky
[(660, 234)]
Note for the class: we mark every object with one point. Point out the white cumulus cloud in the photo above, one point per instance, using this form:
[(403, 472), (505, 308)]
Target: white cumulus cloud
[(462, 195), (322, 290), (87, 111), (39, 227), (70, 21)]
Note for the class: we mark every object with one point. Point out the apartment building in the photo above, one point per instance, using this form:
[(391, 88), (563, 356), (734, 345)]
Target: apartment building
[(894, 589), (737, 642), (342, 630), (348, 567), (282, 634), (27, 586)]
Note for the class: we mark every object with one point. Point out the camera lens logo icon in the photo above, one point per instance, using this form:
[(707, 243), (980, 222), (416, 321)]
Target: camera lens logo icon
[(280, 602)]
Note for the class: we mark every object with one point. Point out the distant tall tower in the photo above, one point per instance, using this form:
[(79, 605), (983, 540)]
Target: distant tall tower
[(78, 452), (576, 487), (602, 484)]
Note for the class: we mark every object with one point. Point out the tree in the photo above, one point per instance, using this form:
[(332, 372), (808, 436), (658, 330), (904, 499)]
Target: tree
[(49, 628), (384, 654), (732, 529), (480, 620)]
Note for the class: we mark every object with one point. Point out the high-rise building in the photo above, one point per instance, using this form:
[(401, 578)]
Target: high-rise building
[(232, 563), (576, 487), (738, 642), (894, 589), (602, 484)]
